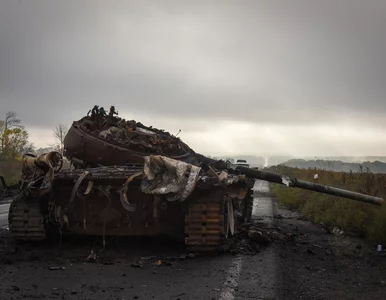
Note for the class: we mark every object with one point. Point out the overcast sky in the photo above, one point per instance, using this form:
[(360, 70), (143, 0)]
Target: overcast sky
[(237, 77)]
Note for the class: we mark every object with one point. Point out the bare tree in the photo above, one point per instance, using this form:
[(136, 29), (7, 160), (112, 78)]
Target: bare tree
[(60, 132), (29, 148), (11, 120)]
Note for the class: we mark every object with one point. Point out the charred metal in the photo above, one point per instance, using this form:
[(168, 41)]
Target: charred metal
[(165, 196), (105, 139)]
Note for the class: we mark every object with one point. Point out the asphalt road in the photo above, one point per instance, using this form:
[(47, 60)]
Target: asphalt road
[(4, 215), (223, 277), (254, 277)]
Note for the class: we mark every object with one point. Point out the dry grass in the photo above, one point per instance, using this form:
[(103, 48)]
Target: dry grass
[(10, 169), (353, 217)]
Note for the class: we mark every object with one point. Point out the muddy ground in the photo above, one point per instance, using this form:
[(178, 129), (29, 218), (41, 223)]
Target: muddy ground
[(318, 264), (310, 262)]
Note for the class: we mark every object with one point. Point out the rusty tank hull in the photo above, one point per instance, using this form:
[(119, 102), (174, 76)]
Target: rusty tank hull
[(164, 196), (101, 139), (203, 205)]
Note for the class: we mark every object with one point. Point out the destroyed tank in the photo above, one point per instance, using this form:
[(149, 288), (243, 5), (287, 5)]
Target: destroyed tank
[(128, 179), (105, 139), (163, 196)]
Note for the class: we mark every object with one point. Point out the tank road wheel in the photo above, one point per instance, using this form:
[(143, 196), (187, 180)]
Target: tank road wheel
[(248, 202), (25, 220), (245, 207), (229, 219), (204, 227), (208, 225)]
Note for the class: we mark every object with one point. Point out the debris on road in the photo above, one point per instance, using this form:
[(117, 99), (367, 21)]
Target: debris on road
[(137, 264), (259, 238), (92, 257), (148, 257), (57, 268), (253, 237)]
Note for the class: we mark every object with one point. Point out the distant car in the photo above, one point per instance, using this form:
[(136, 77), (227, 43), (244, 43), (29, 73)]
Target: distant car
[(242, 162)]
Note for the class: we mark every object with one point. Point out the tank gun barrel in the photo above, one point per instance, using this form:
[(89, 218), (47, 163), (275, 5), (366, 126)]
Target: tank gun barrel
[(294, 182)]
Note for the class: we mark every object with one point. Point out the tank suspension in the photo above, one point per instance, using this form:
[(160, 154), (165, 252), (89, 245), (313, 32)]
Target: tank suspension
[(75, 189), (124, 193), (105, 192)]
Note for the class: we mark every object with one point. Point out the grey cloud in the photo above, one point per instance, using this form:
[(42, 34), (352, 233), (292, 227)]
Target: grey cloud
[(254, 61)]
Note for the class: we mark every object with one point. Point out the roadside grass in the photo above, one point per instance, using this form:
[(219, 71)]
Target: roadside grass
[(354, 217)]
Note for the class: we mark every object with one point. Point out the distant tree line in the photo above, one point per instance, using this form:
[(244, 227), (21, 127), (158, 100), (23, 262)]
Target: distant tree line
[(337, 165)]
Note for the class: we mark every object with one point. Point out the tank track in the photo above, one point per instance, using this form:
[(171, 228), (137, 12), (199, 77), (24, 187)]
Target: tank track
[(205, 225), (249, 205), (26, 223)]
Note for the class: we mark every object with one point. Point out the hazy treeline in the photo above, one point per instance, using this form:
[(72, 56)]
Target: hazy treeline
[(337, 165), (255, 160)]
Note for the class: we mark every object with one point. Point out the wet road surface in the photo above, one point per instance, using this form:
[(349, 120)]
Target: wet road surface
[(224, 277), (4, 214)]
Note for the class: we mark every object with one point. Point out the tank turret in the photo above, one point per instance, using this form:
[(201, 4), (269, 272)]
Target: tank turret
[(101, 139)]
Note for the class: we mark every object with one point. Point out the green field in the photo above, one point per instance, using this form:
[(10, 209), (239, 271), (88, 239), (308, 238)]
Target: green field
[(11, 170), (355, 218)]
